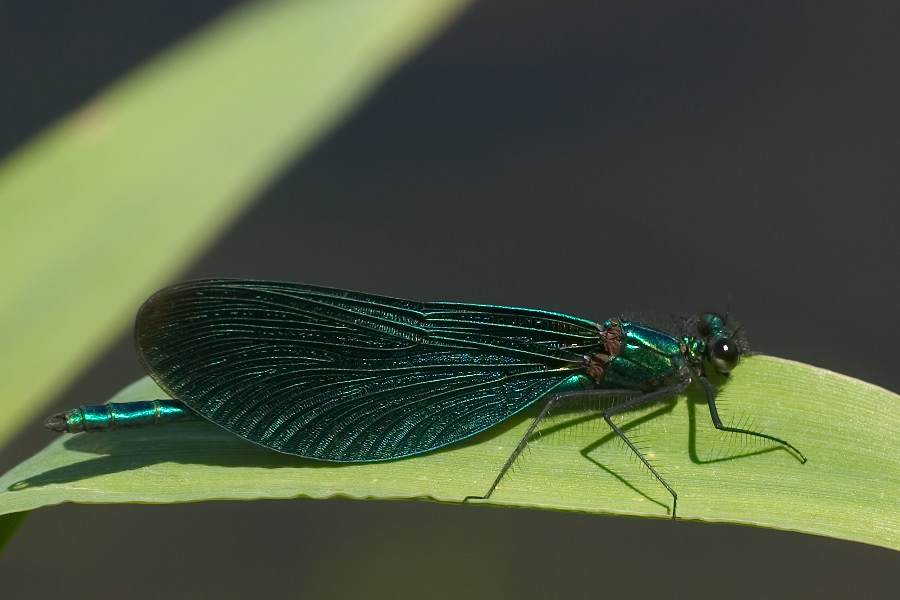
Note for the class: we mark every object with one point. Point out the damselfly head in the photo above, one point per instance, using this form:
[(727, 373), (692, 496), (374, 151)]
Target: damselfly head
[(722, 349)]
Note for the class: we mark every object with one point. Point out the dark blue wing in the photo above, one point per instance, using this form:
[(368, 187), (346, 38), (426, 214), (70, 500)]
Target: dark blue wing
[(345, 376)]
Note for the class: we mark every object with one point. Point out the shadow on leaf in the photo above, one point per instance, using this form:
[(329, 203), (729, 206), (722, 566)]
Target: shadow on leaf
[(197, 443)]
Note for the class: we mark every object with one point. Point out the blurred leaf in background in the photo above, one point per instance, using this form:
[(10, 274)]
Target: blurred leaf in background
[(106, 205)]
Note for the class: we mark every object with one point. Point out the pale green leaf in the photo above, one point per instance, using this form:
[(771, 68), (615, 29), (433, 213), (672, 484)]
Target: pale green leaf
[(849, 430), (105, 206)]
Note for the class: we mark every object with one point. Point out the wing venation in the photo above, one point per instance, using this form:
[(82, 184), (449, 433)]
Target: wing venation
[(346, 376)]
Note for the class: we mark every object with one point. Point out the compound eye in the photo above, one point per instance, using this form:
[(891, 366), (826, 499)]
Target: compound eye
[(725, 354)]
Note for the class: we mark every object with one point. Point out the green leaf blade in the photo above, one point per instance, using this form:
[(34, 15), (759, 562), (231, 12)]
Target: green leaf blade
[(849, 430)]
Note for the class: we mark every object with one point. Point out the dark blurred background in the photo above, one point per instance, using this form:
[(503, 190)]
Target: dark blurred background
[(585, 157)]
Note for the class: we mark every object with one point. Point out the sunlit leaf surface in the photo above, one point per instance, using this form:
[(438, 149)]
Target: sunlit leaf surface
[(849, 430)]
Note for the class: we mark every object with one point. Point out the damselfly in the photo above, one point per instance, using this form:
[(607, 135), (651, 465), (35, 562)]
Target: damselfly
[(343, 376)]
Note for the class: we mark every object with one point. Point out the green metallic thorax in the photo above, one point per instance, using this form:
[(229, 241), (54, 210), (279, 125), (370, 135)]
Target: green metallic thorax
[(639, 357), (649, 358)]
